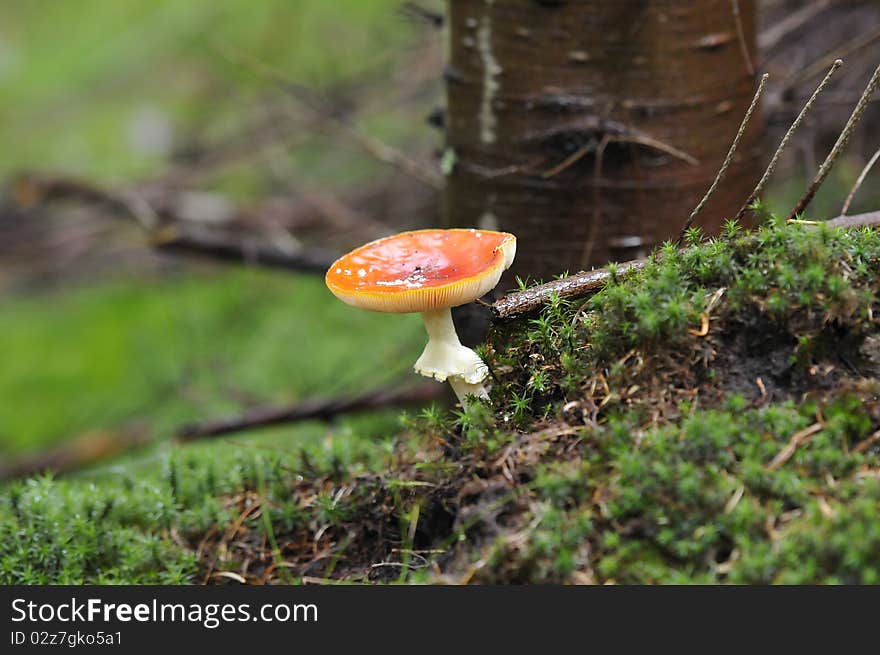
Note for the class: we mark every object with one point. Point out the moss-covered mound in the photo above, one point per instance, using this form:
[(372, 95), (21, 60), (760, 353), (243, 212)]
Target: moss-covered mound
[(712, 418)]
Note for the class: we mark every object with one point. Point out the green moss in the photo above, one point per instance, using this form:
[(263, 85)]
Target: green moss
[(676, 472), (145, 525), (699, 502), (780, 283)]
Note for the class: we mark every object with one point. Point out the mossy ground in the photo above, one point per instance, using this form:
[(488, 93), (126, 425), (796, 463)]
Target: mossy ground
[(713, 418)]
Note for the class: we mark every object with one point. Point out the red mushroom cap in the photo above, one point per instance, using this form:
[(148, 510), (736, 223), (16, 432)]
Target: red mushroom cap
[(422, 270)]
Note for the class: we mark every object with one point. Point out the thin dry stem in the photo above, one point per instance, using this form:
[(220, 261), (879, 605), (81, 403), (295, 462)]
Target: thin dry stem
[(727, 160), (791, 447), (639, 139), (650, 142), (859, 181), (779, 32), (568, 162), (782, 144), (839, 146)]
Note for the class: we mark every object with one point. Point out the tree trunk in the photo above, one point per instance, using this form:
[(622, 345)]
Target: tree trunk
[(591, 128)]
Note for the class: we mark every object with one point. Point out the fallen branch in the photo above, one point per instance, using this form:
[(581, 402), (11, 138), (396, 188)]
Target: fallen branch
[(870, 219), (78, 453), (252, 252), (168, 230), (312, 408), (94, 447), (31, 189), (573, 286)]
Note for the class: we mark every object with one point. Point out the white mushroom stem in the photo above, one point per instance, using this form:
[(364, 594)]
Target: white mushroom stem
[(445, 358)]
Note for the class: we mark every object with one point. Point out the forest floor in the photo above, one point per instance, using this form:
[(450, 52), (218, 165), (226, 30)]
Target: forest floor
[(712, 418)]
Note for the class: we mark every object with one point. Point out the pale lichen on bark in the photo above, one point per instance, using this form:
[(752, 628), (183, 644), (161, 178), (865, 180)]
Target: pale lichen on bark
[(488, 221), (491, 84)]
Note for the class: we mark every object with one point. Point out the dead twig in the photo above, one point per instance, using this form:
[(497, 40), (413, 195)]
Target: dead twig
[(727, 160), (611, 132), (867, 443), (782, 144), (796, 440), (569, 161), (650, 142), (839, 146), (859, 181), (312, 408)]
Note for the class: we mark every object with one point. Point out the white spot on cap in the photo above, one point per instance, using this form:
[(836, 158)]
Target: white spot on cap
[(413, 281), (362, 273)]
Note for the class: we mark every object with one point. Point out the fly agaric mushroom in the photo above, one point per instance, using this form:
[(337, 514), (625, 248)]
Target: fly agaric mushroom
[(429, 271)]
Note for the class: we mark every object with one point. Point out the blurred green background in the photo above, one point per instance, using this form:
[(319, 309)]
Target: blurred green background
[(109, 91), (77, 79)]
